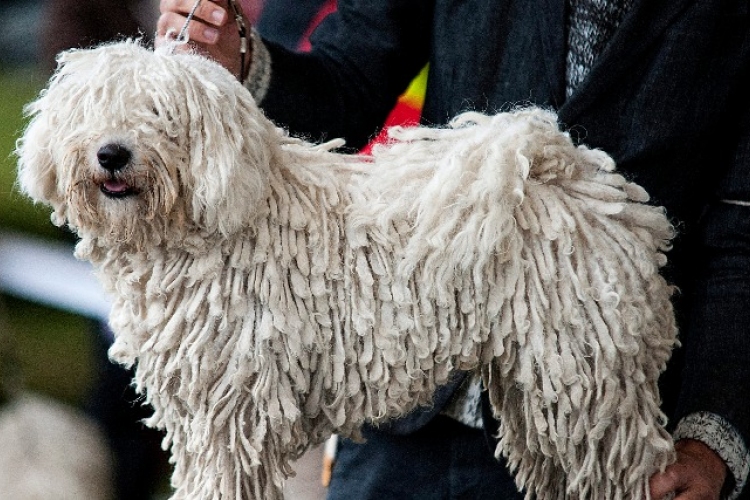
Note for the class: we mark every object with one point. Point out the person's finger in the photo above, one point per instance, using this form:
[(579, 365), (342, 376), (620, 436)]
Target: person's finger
[(210, 12), (197, 31), (666, 483)]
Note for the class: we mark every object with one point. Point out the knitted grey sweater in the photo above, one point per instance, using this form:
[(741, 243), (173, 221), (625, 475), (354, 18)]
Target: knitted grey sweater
[(591, 24)]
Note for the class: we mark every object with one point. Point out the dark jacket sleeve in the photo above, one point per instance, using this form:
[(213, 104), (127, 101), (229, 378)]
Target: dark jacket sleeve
[(716, 377), (363, 57)]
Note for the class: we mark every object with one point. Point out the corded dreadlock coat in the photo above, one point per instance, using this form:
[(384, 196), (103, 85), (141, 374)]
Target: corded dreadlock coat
[(669, 99)]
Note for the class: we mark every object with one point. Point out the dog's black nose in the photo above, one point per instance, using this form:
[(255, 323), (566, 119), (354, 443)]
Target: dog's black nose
[(113, 156)]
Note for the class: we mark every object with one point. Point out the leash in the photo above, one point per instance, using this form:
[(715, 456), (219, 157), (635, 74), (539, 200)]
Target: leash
[(242, 30), (182, 36)]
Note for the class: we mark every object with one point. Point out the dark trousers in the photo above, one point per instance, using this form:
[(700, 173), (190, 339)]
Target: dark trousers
[(444, 460), (140, 464)]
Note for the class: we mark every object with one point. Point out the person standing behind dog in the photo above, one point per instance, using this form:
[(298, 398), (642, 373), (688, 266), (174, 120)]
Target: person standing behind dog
[(662, 86)]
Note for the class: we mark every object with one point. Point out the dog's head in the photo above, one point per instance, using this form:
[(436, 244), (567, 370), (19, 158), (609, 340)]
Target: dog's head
[(128, 143)]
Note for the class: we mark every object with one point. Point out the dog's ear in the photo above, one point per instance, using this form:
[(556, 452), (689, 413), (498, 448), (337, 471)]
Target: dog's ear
[(232, 145), (37, 174), (38, 165)]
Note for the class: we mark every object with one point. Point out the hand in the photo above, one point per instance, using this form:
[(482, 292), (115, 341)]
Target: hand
[(698, 474), (212, 31)]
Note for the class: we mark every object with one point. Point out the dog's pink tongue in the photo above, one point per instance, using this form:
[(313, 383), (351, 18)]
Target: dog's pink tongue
[(115, 186)]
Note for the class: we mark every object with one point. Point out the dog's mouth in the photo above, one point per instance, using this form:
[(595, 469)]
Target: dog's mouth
[(113, 159), (115, 188)]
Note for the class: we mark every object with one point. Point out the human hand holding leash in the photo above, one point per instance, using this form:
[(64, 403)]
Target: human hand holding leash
[(698, 474), (215, 30)]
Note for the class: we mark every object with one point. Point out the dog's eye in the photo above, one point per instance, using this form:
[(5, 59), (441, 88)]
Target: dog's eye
[(163, 113)]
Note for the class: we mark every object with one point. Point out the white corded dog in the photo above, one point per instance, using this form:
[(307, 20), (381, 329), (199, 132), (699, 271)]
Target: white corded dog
[(271, 291)]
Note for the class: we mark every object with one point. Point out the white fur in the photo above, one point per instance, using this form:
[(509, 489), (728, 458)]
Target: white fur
[(271, 291)]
